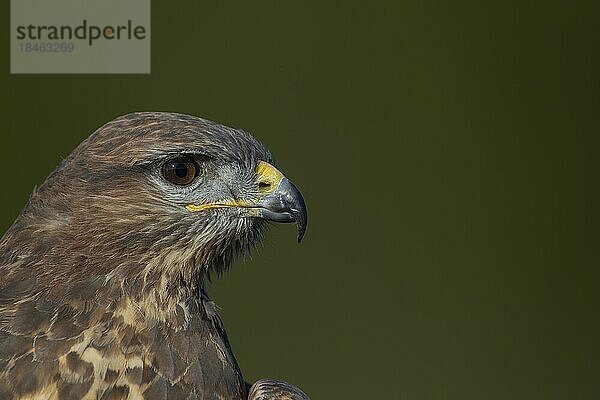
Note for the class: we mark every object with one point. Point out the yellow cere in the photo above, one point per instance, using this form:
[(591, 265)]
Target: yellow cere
[(269, 175)]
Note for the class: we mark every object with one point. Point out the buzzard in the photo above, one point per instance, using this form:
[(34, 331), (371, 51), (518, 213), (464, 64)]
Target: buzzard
[(102, 274)]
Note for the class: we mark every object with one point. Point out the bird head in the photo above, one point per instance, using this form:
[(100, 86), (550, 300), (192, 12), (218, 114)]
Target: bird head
[(162, 197)]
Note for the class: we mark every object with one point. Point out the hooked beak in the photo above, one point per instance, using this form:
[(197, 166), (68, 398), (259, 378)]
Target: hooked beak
[(279, 200), (284, 204)]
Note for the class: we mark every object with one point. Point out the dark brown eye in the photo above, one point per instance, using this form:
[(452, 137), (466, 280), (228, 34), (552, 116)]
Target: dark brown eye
[(180, 171)]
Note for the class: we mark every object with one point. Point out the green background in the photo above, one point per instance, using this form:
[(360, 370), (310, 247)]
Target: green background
[(447, 152)]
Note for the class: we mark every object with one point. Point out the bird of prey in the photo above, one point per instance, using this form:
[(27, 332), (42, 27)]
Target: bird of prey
[(102, 274)]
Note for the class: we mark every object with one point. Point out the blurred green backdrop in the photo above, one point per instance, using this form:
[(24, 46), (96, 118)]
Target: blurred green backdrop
[(448, 155)]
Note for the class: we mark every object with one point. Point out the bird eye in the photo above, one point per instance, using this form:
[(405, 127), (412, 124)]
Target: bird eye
[(180, 171)]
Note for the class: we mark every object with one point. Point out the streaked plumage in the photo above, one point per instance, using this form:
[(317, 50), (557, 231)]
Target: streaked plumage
[(101, 276)]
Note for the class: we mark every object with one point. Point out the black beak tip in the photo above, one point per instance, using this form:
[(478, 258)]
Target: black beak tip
[(301, 230), (300, 215)]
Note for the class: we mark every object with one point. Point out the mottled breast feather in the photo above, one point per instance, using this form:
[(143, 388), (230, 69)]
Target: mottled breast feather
[(60, 351)]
